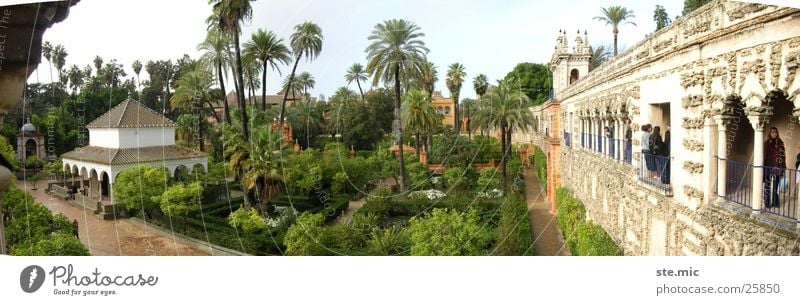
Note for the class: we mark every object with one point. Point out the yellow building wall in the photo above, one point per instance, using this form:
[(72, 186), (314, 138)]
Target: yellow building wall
[(445, 106)]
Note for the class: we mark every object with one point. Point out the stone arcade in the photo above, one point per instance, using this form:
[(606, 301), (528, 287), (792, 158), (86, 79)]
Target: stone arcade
[(721, 77)]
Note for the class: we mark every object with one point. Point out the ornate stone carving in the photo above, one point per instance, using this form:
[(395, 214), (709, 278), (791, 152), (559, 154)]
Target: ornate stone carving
[(692, 192), (693, 167), (792, 63), (758, 67), (775, 63), (693, 123), (690, 79), (711, 112), (743, 10), (691, 101), (700, 25), (730, 104), (663, 45), (759, 116), (693, 145)]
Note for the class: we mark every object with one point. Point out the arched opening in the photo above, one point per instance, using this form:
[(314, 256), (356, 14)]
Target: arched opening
[(105, 186), (198, 171), (30, 148), (447, 110), (181, 173), (739, 148), (573, 76), (784, 199)]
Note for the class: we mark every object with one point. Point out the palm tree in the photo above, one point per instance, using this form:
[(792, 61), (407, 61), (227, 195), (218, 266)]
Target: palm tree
[(252, 69), (305, 41), (455, 79), (467, 110), (419, 114), (599, 57), (76, 79), (614, 16), (47, 52), (480, 84), (304, 118), (270, 50), (193, 89), (290, 86), (215, 52), (229, 14), (305, 81), (429, 77), (137, 68), (505, 107), (396, 50), (356, 73), (59, 56), (263, 169), (98, 63)]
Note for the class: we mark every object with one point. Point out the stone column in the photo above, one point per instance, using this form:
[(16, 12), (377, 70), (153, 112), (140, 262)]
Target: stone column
[(758, 120), (709, 160), (722, 153)]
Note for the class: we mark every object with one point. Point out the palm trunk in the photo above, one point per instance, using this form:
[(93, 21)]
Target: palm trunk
[(616, 32), (216, 117), (286, 92), (399, 127), (455, 109), (264, 86), (200, 133), (242, 105), (224, 94), (418, 143), (363, 100), (505, 152)]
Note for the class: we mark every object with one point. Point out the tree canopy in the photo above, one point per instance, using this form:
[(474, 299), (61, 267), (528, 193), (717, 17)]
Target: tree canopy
[(535, 80)]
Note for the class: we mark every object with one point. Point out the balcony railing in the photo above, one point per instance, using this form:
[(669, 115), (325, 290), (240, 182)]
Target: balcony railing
[(738, 182), (654, 170), (627, 156), (567, 139), (781, 187)]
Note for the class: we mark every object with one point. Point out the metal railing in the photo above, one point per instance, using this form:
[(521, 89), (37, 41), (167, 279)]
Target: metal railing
[(738, 182), (567, 139), (781, 192), (654, 170), (612, 148), (627, 156)]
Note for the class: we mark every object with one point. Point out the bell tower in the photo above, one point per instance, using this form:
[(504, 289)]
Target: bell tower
[(568, 66)]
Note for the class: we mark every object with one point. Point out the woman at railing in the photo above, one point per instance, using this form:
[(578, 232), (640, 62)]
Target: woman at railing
[(666, 153), (774, 165), (647, 151)]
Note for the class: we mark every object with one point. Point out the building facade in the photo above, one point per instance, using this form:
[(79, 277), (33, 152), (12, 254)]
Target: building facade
[(719, 79)]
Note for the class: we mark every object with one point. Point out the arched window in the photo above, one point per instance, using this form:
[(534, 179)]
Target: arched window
[(573, 76), (439, 110), (447, 110)]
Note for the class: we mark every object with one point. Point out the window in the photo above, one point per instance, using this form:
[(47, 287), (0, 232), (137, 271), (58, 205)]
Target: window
[(447, 110), (573, 76)]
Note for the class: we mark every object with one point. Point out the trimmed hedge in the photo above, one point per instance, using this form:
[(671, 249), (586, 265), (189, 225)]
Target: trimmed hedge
[(540, 161), (513, 232), (583, 238)]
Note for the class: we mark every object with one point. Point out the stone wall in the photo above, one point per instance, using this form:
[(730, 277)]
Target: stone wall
[(645, 222)]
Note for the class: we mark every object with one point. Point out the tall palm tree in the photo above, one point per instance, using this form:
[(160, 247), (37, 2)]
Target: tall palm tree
[(76, 78), (419, 115), (137, 68), (291, 87), (480, 84), (228, 17), (59, 56), (305, 118), (47, 52), (455, 79), (252, 70), (467, 109), (429, 77), (215, 52), (269, 50), (305, 81), (193, 89), (98, 63), (395, 51), (305, 41), (357, 73), (505, 107), (615, 16)]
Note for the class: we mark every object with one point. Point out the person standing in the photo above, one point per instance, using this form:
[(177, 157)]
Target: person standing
[(75, 228), (647, 156), (774, 165), (658, 152), (628, 146), (610, 139), (665, 179)]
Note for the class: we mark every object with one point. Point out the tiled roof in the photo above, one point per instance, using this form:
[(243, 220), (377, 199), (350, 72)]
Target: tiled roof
[(116, 156), (131, 114)]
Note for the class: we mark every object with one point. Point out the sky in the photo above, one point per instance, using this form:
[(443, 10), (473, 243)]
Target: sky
[(486, 36)]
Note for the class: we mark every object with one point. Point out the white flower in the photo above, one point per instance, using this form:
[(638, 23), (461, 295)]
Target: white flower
[(430, 194), (493, 194)]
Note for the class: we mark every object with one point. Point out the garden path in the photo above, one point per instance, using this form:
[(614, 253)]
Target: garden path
[(114, 237), (547, 238)]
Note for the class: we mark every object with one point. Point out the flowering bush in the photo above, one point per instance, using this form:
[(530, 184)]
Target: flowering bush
[(430, 194), (493, 194)]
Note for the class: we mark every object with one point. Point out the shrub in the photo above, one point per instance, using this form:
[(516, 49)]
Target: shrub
[(379, 203), (489, 179), (303, 237), (419, 176), (33, 162), (454, 177), (513, 232), (444, 232), (583, 238), (54, 245), (247, 221), (391, 241), (540, 161)]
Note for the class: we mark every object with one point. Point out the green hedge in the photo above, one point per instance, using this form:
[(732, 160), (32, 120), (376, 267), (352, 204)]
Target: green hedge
[(540, 161), (513, 231), (583, 238)]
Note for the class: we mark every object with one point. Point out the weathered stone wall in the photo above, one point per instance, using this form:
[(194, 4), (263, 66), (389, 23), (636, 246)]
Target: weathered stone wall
[(646, 222)]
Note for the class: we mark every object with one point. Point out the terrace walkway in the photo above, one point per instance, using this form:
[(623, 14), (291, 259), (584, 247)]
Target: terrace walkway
[(547, 238), (114, 237)]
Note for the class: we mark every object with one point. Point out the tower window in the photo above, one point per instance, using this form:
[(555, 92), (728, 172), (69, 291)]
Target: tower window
[(573, 76)]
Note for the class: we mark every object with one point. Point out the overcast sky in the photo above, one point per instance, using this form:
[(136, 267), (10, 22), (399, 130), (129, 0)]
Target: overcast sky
[(486, 36)]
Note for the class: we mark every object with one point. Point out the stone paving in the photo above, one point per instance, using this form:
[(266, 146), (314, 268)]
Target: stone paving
[(114, 237)]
